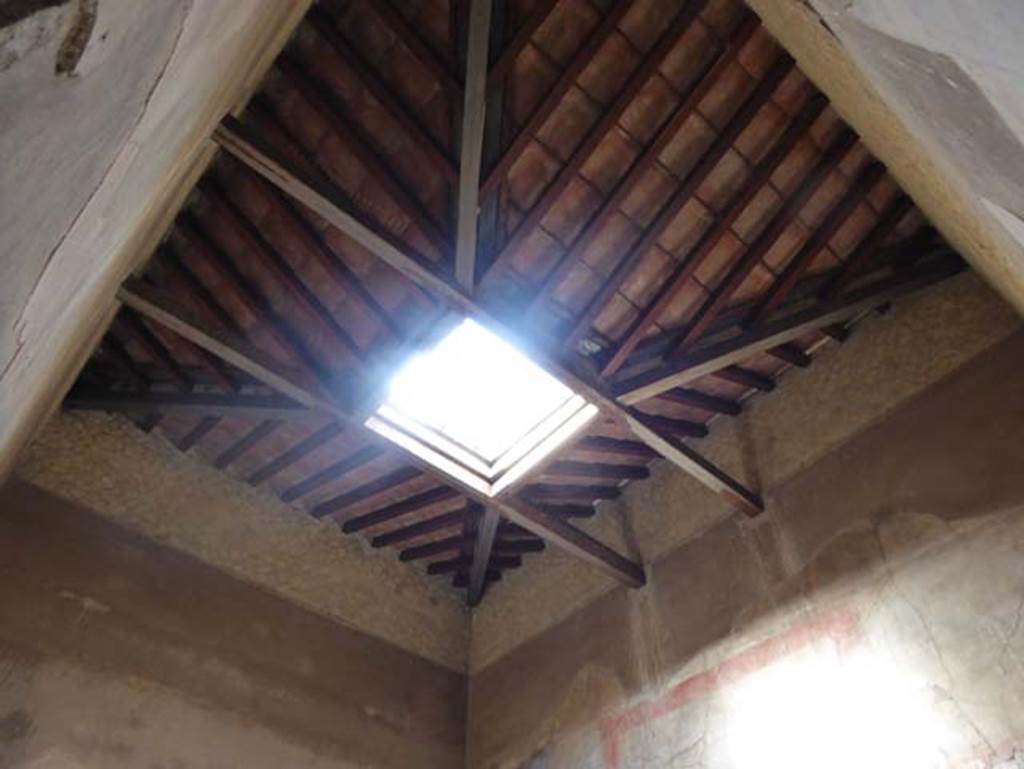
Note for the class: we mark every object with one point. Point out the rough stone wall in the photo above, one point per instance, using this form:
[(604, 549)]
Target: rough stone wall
[(872, 617), (141, 482), (888, 360), (119, 653)]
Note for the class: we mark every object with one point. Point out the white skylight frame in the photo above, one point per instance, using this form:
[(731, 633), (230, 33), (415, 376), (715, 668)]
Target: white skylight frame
[(478, 409)]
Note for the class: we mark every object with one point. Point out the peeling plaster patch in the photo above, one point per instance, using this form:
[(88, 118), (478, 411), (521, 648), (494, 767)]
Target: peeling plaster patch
[(77, 38)]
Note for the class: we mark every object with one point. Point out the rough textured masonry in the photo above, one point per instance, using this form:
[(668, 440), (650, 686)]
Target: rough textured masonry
[(118, 652), (871, 616)]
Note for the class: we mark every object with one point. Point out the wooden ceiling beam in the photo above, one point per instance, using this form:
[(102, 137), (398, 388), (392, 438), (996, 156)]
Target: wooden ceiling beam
[(327, 29), (552, 492), (713, 358), (234, 281), (474, 117), (746, 378), (429, 526), (698, 400), (579, 62), (246, 443), (332, 472), (703, 85), (507, 58), (868, 247), (303, 448), (819, 240), (319, 96), (600, 130), (424, 53), (255, 363), (301, 294), (597, 470), (604, 445), (464, 562), (483, 546), (430, 549), (311, 238), (368, 490), (398, 509), (322, 198), (191, 403), (770, 233), (723, 219)]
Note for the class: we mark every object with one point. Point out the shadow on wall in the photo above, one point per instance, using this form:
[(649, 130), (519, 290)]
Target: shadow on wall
[(872, 618)]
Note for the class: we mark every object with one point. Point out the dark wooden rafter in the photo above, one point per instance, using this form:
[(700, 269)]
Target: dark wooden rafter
[(191, 403), (278, 266), (771, 232), (723, 221), (326, 28), (472, 145), (818, 240), (597, 470), (250, 360), (398, 509), (868, 247), (336, 505), (332, 472), (422, 50), (486, 529), (322, 197), (580, 60), (258, 336), (429, 526), (507, 58), (284, 332), (247, 442), (605, 123), (703, 85), (306, 446), (683, 368), (319, 96)]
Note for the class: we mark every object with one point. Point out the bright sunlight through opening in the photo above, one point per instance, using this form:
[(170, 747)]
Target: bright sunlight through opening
[(476, 400)]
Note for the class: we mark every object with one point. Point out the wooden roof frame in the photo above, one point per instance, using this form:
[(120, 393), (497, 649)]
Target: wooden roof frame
[(635, 369)]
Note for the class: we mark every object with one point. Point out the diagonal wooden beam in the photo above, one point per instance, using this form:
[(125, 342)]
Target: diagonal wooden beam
[(820, 238), (244, 357), (332, 472), (322, 197), (686, 368), (306, 446), (317, 94), (487, 527), (605, 28), (670, 210), (772, 231), (507, 58), (474, 115), (605, 123), (723, 222), (195, 404), (326, 28), (398, 509), (429, 526), (411, 39), (703, 85)]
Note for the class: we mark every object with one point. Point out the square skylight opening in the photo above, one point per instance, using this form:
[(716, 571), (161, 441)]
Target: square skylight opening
[(478, 408)]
